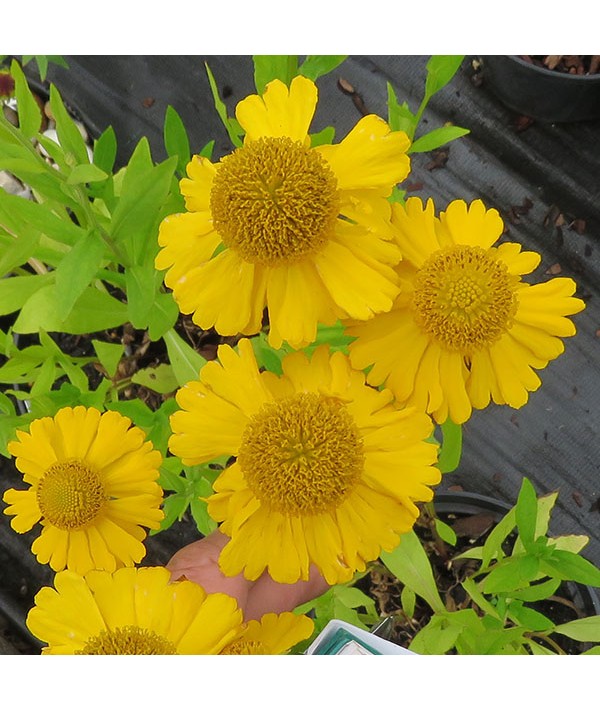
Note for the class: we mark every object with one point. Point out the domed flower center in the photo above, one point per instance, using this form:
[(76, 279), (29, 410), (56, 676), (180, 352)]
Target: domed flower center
[(464, 298), (245, 647), (274, 201), (302, 455), (70, 494), (128, 640)]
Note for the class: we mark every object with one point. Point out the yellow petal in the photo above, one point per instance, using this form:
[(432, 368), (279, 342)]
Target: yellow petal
[(472, 225), (279, 111), (370, 156)]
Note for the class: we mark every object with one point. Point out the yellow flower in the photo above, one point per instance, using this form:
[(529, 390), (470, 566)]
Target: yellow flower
[(273, 634), (465, 329), (303, 231), (132, 611), (92, 485), (327, 469)]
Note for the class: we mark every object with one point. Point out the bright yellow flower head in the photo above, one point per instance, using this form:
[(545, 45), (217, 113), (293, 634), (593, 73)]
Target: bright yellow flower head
[(132, 611), (327, 469), (465, 329), (273, 634), (302, 231), (92, 486)]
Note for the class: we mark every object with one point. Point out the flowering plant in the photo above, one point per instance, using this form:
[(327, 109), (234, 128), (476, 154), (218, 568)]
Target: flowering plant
[(356, 330)]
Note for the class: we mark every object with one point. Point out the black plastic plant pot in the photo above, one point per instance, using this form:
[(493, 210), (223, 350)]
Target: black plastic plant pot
[(584, 597), (540, 93)]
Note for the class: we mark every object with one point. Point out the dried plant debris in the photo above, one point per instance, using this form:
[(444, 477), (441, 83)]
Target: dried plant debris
[(346, 88), (566, 63)]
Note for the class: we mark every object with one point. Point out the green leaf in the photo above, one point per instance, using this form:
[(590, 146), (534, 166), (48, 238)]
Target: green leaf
[(408, 600), (142, 282), (451, 448), (445, 532), (135, 219), (94, 311), (44, 377), (176, 139), (76, 271), (511, 574), (184, 359), (400, 117), (492, 548), (409, 563), (109, 355), (483, 603), (199, 511), (440, 70), (323, 138), (540, 591), (17, 290), (436, 138), (230, 124), (317, 65), (30, 115), (69, 136), (86, 173), (538, 649), (174, 506), (586, 629), (526, 513), (570, 566), (161, 378), (268, 67), (528, 618), (18, 214), (105, 150), (163, 316)]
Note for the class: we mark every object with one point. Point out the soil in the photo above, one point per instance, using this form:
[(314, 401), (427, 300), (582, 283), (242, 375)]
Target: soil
[(566, 605), (566, 63)]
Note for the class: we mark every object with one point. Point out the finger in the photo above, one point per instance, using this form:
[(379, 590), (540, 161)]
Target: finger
[(269, 596)]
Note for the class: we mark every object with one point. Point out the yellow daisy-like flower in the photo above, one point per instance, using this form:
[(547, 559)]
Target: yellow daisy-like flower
[(302, 231), (327, 470), (92, 486), (465, 329), (132, 611), (273, 634)]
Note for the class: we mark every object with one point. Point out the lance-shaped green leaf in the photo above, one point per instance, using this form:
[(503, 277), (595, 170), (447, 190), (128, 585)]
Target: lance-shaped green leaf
[(75, 272), (570, 566), (400, 117), (105, 150), (17, 290), (440, 70), (161, 378), (86, 173), (526, 513), (231, 125), (511, 574), (317, 65), (163, 316), (30, 115), (410, 564), (184, 359), (451, 448), (69, 136), (436, 138), (176, 139), (95, 310), (586, 629), (109, 355), (268, 67)]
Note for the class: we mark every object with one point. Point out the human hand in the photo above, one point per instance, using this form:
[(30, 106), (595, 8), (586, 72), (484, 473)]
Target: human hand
[(199, 562)]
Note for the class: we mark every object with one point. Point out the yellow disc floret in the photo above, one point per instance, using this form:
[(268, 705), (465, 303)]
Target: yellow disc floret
[(302, 455), (274, 201), (70, 494), (464, 298), (130, 639)]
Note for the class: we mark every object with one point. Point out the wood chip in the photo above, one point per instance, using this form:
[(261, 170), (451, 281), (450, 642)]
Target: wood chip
[(473, 526), (554, 269)]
